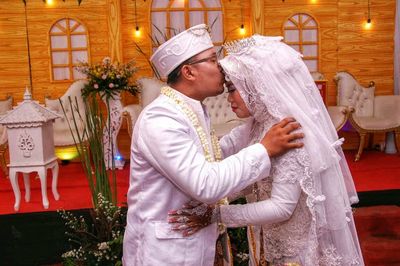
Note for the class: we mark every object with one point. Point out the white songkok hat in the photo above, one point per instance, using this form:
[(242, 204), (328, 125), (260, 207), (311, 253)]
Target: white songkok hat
[(180, 48)]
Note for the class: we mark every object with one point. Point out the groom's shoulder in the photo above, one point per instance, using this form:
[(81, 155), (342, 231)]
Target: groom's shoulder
[(161, 107), (160, 113)]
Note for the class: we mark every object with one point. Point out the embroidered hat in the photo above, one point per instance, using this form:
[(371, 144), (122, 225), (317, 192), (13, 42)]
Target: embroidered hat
[(180, 48)]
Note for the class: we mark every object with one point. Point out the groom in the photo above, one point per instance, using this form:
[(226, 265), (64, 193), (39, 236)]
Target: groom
[(173, 156)]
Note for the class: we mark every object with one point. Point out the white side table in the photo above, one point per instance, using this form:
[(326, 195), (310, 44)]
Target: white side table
[(31, 145), (42, 171)]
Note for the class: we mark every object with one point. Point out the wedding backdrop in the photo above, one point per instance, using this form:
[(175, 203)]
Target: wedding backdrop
[(73, 49)]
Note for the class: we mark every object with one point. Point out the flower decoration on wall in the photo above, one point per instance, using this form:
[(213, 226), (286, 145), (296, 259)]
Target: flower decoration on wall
[(108, 79)]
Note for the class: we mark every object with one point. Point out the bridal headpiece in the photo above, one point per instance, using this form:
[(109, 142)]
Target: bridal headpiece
[(242, 45)]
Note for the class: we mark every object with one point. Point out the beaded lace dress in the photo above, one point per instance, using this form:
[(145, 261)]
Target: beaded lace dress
[(304, 205)]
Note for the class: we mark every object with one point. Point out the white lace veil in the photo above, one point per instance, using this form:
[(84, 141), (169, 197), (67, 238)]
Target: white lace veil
[(273, 80)]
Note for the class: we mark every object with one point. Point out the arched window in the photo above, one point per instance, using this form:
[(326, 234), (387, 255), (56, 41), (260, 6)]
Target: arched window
[(68, 46), (169, 17), (301, 33)]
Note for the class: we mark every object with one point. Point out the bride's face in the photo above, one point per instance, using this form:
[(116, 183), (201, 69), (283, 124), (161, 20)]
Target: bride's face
[(237, 104)]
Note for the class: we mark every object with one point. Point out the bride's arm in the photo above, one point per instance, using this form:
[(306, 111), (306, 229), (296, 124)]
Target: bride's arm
[(195, 216), (243, 193), (237, 139), (279, 207)]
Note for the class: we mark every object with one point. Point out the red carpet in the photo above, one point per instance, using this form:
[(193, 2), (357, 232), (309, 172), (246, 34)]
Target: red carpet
[(72, 187), (378, 230), (375, 171)]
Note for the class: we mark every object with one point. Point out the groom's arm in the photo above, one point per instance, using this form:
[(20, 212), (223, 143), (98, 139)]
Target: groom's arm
[(173, 149)]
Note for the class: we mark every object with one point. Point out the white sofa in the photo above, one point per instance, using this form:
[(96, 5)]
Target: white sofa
[(62, 131), (367, 113), (223, 119)]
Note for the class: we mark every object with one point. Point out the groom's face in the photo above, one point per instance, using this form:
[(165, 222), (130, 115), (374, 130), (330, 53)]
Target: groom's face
[(209, 78)]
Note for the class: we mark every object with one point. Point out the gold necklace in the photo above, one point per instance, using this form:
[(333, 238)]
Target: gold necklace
[(167, 91)]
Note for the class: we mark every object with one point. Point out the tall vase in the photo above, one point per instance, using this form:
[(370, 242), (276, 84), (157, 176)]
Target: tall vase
[(110, 133)]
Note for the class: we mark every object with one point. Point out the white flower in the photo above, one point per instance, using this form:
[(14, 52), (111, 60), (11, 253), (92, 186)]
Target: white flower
[(118, 76), (103, 245), (111, 85), (96, 86), (106, 60), (104, 76)]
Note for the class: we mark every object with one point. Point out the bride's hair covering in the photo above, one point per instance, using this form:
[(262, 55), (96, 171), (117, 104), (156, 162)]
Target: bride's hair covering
[(273, 80)]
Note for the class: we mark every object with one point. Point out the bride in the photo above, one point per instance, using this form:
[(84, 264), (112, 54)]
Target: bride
[(300, 213)]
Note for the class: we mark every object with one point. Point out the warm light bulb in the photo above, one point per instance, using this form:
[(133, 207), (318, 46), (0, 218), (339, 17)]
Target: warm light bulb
[(137, 31), (50, 2), (368, 24), (242, 30)]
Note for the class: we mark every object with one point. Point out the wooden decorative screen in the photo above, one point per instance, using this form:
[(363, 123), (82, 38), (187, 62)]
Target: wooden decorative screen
[(68, 46), (301, 32), (169, 17)]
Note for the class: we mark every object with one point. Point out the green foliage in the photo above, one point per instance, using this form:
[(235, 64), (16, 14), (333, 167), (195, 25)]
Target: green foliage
[(98, 242), (239, 243), (89, 144)]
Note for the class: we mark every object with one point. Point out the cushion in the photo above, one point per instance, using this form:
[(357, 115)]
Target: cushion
[(364, 105), (149, 90)]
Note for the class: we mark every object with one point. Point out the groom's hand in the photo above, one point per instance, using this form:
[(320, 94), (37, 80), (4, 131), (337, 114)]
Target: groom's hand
[(281, 138)]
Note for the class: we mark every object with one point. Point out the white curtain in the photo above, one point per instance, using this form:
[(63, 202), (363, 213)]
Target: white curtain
[(397, 50)]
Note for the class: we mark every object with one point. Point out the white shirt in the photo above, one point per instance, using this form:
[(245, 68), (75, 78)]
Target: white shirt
[(168, 169)]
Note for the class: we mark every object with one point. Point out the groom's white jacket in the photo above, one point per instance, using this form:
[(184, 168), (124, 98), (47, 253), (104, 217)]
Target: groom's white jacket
[(168, 169)]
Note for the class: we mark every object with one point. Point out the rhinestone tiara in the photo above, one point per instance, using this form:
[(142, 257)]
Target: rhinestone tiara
[(238, 45)]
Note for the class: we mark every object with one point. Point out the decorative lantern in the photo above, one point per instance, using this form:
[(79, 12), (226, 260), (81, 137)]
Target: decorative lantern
[(31, 146)]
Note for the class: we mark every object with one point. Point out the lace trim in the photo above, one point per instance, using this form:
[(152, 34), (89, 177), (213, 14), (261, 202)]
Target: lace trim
[(330, 257)]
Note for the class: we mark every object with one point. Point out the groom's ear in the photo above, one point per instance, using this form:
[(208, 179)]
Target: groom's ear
[(187, 72)]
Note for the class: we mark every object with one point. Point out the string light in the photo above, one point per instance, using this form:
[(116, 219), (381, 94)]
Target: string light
[(368, 24), (242, 30), (137, 29)]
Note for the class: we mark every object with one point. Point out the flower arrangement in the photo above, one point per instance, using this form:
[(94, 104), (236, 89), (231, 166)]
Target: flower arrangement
[(108, 79), (99, 243), (97, 240)]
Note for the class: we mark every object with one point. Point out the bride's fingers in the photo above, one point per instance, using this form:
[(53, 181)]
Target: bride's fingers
[(189, 232), (179, 227), (186, 226), (192, 204), (184, 219)]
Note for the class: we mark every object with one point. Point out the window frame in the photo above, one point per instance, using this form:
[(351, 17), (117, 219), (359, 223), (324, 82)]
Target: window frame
[(186, 9), (68, 49), (299, 26)]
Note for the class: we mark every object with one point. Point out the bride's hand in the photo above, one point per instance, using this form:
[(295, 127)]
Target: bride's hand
[(192, 217)]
